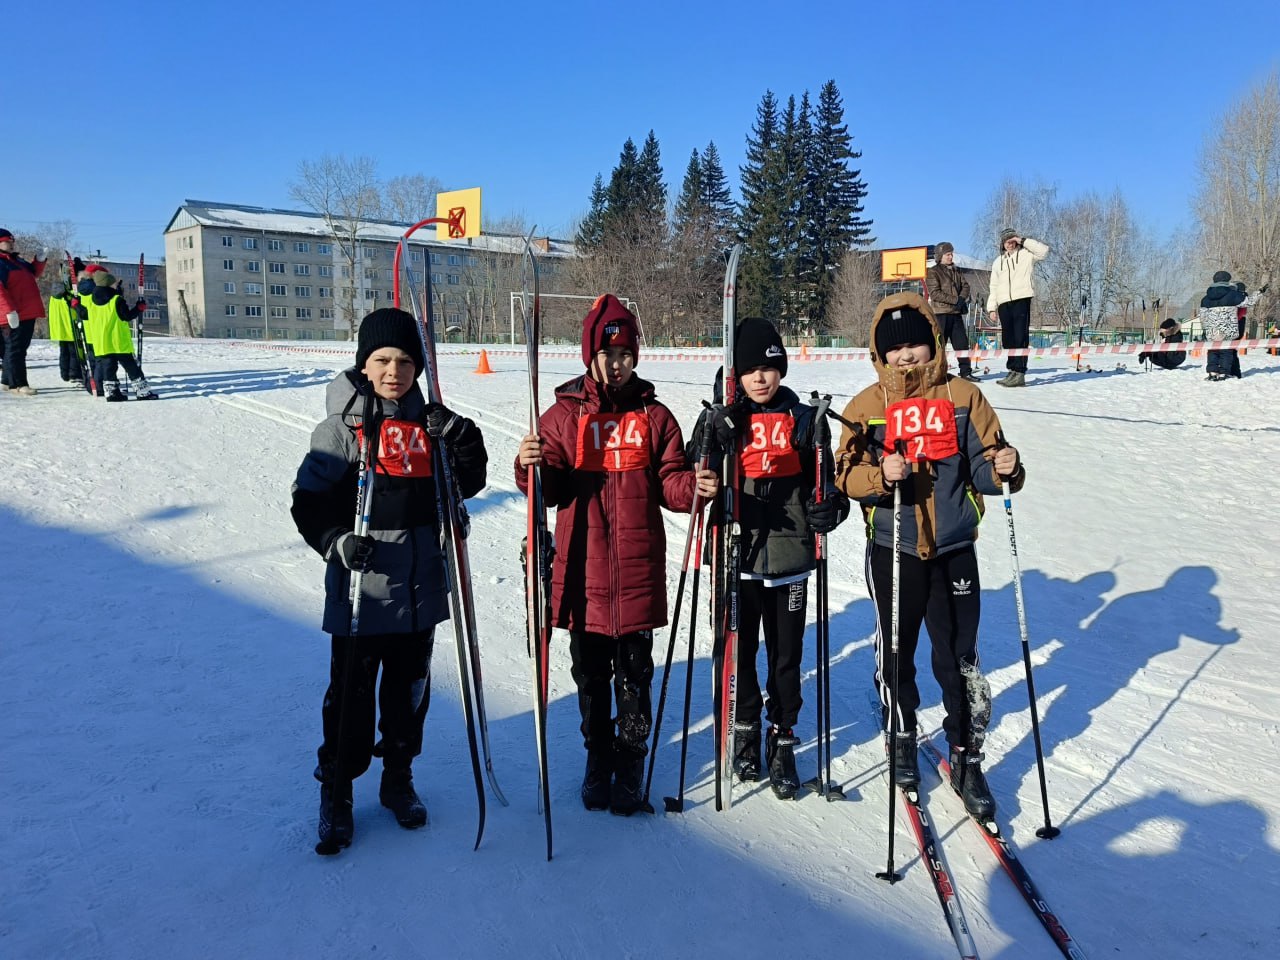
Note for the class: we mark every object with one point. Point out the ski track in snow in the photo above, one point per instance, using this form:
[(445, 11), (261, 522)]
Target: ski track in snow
[(159, 630)]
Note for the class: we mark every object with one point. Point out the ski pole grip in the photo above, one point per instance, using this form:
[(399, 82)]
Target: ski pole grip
[(1001, 442)]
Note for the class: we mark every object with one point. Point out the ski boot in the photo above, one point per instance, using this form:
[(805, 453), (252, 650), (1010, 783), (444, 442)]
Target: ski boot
[(968, 780), (746, 753), (626, 796), (396, 793), (906, 761), (113, 393), (595, 784), (337, 826), (780, 751)]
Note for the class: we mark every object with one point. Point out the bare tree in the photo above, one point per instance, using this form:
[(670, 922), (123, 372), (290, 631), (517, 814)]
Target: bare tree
[(410, 198), (1238, 204), (854, 297), (344, 191)]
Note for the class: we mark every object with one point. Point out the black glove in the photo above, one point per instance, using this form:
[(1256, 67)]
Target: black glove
[(822, 517), (443, 424), (722, 421), (77, 265), (355, 553)]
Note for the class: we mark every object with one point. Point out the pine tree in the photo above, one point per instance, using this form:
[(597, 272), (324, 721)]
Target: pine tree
[(591, 230), (792, 147), (716, 198), (761, 215), (650, 190), (834, 198), (621, 196)]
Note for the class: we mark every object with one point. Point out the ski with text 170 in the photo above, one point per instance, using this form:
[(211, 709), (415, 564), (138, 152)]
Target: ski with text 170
[(455, 525), (538, 546), (726, 565)]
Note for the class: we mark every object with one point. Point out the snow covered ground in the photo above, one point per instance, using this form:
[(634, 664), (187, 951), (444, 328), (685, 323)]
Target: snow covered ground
[(163, 668)]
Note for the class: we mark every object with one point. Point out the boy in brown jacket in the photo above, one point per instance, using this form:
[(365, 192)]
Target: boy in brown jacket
[(950, 458)]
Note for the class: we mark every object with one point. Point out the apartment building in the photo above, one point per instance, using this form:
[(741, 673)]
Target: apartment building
[(258, 273)]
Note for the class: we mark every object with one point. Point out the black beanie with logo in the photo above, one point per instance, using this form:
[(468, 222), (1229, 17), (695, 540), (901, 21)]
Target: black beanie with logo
[(389, 327), (902, 325), (757, 344)]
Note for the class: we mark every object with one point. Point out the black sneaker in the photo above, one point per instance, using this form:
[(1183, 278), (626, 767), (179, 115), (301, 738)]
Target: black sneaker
[(337, 825), (626, 796), (968, 375), (746, 751), (397, 794), (780, 751), (968, 780), (595, 784), (906, 760)]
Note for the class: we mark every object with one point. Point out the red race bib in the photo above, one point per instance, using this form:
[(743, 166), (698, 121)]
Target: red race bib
[(613, 442), (927, 426), (404, 449), (765, 446)]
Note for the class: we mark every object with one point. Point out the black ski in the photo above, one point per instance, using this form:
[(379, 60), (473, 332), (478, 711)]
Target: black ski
[(1007, 857)]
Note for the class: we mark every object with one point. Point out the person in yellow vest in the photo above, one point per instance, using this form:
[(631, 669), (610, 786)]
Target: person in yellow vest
[(60, 333), (112, 338)]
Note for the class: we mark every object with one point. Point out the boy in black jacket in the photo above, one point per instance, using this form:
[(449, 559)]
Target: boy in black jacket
[(403, 588), (772, 430)]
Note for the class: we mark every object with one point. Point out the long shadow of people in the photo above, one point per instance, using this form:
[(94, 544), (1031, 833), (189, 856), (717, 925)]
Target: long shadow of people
[(1095, 660)]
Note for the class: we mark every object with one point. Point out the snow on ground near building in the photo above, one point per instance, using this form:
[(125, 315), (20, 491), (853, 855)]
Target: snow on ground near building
[(163, 665)]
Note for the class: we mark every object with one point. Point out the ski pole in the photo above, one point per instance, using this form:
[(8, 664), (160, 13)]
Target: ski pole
[(1048, 831), (890, 875), (1084, 304), (137, 332), (704, 458), (676, 804)]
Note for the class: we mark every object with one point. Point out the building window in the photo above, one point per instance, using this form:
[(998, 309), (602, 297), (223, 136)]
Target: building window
[(275, 244), (279, 313), (253, 266), (230, 333), (415, 256), (325, 293), (370, 273), (370, 252), (253, 310), (325, 270), (228, 264), (303, 313), (473, 261), (417, 275), (437, 278), (454, 260), (279, 290), (435, 258), (306, 334), (301, 246), (228, 241), (253, 289), (371, 294), (152, 286), (454, 319), (346, 272), (454, 278), (324, 248), (229, 287), (229, 310), (253, 333), (302, 269), (151, 313), (302, 291), (251, 243), (275, 267), (326, 313)]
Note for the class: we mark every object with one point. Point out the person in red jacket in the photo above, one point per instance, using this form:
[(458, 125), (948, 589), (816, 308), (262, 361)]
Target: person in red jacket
[(20, 308), (611, 455)]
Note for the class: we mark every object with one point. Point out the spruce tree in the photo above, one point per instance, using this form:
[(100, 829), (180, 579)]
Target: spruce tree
[(591, 230), (690, 204), (834, 198), (650, 190), (716, 198), (761, 214)]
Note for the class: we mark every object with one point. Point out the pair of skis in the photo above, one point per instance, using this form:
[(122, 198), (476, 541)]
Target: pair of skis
[(455, 525), (537, 543), (78, 332)]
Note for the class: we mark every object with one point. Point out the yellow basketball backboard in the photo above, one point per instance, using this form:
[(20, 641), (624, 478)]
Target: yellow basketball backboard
[(905, 263), (462, 208)]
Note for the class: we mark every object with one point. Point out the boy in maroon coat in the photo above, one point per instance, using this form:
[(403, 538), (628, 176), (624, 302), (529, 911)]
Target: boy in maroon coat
[(611, 456)]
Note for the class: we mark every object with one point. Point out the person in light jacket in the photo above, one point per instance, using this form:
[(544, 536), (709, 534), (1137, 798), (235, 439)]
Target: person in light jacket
[(1012, 288)]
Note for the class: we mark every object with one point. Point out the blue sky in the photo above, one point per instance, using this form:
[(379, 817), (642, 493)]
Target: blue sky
[(530, 101)]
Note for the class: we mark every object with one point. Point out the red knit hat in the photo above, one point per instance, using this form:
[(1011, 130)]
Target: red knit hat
[(609, 324)]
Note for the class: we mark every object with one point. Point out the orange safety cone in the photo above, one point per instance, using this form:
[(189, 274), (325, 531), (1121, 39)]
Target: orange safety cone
[(483, 365), (804, 351)]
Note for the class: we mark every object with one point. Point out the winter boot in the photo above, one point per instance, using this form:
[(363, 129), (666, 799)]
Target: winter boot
[(337, 825), (626, 796), (968, 780), (746, 751), (113, 393), (141, 391), (396, 793), (595, 784), (969, 375), (1016, 378), (780, 750), (906, 760)]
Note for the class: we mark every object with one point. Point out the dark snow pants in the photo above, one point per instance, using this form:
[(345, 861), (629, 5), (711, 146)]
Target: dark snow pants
[(107, 367), (953, 332), (781, 612), (626, 664), (16, 342), (1015, 330), (944, 593), (349, 703)]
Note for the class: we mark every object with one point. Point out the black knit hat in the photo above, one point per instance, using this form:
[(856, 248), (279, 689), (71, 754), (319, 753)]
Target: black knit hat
[(757, 344), (1221, 277), (389, 327), (5, 234), (902, 325)]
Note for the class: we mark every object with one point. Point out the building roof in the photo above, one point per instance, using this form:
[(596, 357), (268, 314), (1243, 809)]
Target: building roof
[(238, 216)]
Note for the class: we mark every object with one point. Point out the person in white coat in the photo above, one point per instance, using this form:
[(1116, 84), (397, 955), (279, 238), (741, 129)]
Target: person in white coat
[(1012, 288)]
